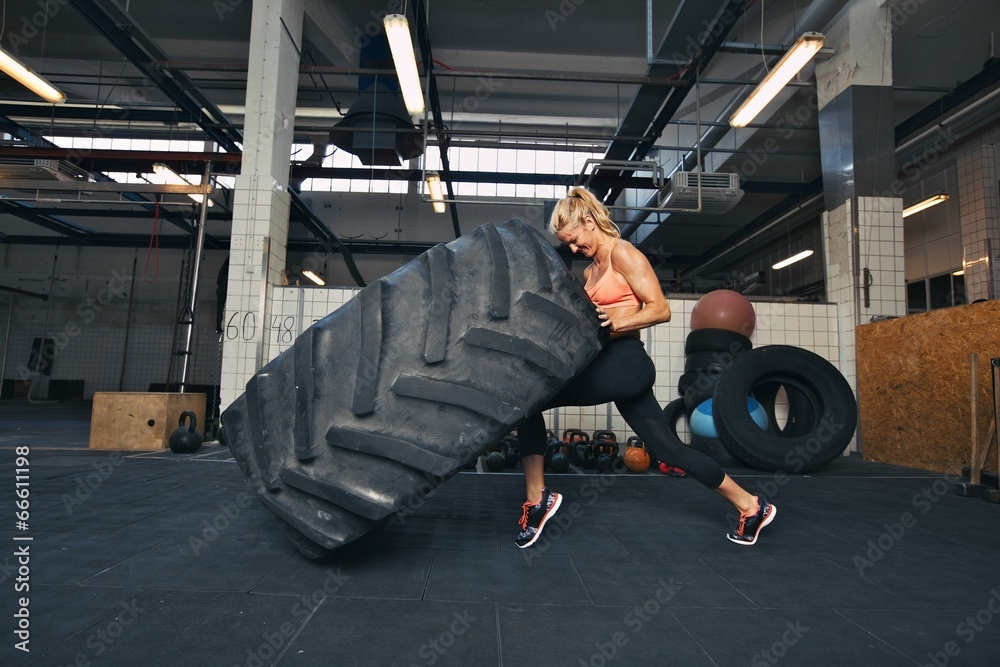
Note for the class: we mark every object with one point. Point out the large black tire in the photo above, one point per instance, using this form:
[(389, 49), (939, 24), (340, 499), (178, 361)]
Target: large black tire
[(825, 406), (387, 397)]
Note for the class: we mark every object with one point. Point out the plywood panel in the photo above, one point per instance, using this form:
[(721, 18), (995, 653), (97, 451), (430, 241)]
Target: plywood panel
[(141, 421), (914, 388)]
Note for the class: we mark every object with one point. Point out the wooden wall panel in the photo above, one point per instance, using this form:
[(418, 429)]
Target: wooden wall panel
[(914, 387)]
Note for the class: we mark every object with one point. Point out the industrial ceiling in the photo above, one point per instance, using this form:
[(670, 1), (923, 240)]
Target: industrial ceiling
[(630, 81)]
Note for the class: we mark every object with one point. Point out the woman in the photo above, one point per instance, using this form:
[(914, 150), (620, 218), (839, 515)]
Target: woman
[(624, 288)]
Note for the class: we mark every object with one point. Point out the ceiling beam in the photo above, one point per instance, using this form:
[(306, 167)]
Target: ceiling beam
[(653, 106)]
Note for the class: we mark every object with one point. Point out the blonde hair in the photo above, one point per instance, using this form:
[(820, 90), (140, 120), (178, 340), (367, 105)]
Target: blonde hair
[(571, 210)]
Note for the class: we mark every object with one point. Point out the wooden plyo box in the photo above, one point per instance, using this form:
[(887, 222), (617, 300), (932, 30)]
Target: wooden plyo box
[(141, 421)]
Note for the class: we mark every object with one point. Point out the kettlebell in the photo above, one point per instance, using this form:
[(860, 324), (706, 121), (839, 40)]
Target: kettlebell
[(511, 451), (636, 456), (605, 449), (495, 461), (186, 439)]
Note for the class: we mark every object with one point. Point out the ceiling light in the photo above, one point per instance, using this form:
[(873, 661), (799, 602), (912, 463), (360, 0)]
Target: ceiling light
[(960, 272), (313, 277), (173, 178), (397, 30), (933, 200), (434, 190), (789, 65), (13, 67), (791, 260)]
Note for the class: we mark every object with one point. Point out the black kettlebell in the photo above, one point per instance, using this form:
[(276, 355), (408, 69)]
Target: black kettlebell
[(495, 461), (559, 464), (186, 439)]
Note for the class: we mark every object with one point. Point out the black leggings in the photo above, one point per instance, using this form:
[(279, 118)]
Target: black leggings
[(624, 373)]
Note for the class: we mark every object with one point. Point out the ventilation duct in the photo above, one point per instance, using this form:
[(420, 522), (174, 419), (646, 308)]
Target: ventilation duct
[(41, 170), (377, 128), (719, 192)]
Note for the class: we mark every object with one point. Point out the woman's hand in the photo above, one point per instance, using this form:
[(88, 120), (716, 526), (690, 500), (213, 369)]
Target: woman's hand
[(606, 320)]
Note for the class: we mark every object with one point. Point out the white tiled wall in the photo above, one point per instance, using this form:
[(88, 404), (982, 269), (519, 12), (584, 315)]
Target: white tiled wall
[(812, 326)]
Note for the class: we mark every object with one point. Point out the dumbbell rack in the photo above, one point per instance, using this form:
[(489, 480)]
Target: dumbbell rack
[(974, 487)]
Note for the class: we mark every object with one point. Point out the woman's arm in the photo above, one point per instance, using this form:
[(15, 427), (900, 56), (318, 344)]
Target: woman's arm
[(633, 266)]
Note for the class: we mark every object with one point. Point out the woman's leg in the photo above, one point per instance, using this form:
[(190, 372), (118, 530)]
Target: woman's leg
[(532, 442), (644, 415)]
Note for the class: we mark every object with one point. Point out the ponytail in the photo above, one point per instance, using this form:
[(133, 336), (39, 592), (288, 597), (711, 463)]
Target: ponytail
[(571, 210)]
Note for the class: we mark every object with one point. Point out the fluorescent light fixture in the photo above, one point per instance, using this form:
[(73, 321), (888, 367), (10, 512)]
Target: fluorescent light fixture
[(173, 178), (794, 258), (933, 200), (960, 272), (434, 190), (397, 30), (313, 277), (17, 71), (801, 53)]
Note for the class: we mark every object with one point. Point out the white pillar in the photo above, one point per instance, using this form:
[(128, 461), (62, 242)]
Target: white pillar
[(261, 200), (863, 225)]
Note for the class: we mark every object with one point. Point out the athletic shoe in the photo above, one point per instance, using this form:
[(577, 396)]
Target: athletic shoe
[(748, 530), (533, 517)]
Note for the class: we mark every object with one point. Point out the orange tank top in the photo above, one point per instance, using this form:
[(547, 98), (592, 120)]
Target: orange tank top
[(610, 291)]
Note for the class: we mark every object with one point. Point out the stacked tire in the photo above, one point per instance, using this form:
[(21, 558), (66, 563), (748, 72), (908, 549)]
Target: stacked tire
[(707, 355), (722, 366), (414, 378)]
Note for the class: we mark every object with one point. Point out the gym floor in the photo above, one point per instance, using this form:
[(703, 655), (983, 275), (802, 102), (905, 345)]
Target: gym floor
[(165, 559)]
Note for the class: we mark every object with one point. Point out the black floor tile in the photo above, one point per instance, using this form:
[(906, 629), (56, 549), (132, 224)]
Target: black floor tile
[(169, 627), (434, 532), (506, 577), (633, 570), (68, 558), (684, 581), (792, 636), (56, 613), (185, 563), (804, 582), (955, 637), (396, 633), (560, 636), (375, 572)]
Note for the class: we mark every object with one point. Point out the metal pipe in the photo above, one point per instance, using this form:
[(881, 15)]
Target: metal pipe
[(6, 336), (944, 122), (128, 323), (195, 269), (781, 218), (816, 16)]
